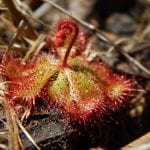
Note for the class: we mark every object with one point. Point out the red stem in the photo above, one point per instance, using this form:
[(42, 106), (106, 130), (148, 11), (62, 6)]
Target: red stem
[(68, 26)]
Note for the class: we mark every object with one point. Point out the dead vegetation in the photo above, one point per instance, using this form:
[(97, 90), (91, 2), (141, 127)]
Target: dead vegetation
[(122, 40)]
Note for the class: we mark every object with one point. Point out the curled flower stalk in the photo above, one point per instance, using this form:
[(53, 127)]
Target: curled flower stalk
[(83, 89), (66, 27)]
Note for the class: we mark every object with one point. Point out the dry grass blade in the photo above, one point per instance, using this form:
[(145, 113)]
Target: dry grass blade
[(141, 47), (138, 64), (31, 16), (3, 9), (11, 5), (119, 41), (29, 41), (27, 134), (15, 36), (13, 122), (18, 15), (3, 134), (35, 48), (14, 141), (2, 92), (99, 148), (85, 24), (3, 121), (144, 140), (13, 132), (4, 147), (8, 24), (100, 35), (42, 10), (4, 48)]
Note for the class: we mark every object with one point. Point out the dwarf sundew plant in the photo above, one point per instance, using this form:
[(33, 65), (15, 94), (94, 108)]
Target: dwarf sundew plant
[(64, 76)]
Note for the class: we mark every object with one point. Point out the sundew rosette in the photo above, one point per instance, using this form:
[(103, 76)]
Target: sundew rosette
[(63, 75)]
